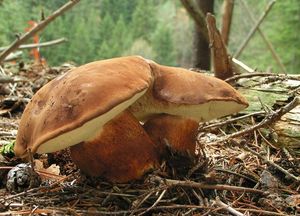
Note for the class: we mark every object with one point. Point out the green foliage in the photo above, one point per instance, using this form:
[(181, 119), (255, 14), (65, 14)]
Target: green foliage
[(106, 27), (8, 149), (99, 29), (163, 46), (117, 8), (140, 47), (155, 29), (285, 34), (281, 26), (144, 20)]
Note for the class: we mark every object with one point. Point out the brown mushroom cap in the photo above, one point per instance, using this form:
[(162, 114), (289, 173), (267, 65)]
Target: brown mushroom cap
[(73, 107), (181, 92)]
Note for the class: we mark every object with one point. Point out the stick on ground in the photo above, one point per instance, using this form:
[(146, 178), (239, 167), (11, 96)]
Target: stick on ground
[(266, 121)]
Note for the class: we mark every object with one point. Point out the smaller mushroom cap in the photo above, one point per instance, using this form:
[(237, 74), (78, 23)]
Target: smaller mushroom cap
[(181, 92), (73, 107)]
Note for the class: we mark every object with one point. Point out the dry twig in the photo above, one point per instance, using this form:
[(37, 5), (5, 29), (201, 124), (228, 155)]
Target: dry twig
[(227, 207), (271, 163), (222, 123), (266, 121), (259, 74), (44, 44), (192, 184), (242, 65)]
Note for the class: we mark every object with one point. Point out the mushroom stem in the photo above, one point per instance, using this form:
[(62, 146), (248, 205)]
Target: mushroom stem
[(121, 152), (180, 132)]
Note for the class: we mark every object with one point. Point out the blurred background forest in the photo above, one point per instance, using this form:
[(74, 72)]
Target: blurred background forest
[(157, 29)]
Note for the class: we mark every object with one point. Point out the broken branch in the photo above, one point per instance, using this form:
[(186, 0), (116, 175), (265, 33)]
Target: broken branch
[(41, 25), (222, 62), (253, 30), (44, 44)]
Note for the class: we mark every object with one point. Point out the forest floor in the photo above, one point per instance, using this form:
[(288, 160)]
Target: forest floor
[(246, 164)]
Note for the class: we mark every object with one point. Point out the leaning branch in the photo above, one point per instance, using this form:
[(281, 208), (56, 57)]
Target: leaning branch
[(36, 29), (44, 44), (253, 30), (266, 40)]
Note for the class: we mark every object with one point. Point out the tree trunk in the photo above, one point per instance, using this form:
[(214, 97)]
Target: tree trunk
[(201, 51), (226, 19)]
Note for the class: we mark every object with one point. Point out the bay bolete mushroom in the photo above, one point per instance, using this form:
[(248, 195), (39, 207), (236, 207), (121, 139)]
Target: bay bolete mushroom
[(194, 97), (74, 108), (177, 91), (86, 109)]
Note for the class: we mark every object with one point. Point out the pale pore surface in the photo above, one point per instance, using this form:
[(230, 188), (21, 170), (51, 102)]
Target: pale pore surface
[(87, 131), (147, 106)]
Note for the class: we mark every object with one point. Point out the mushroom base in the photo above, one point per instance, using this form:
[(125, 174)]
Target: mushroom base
[(121, 152)]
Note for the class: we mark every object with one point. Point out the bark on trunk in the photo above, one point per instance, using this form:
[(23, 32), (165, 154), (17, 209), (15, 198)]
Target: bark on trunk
[(226, 19)]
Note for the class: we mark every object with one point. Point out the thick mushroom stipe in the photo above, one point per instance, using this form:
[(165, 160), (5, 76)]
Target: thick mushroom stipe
[(121, 152), (179, 132)]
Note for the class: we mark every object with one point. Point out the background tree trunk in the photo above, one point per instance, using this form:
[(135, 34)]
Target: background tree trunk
[(226, 19), (201, 51)]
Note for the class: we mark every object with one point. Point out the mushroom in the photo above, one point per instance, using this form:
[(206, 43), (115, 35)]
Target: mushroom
[(94, 109), (123, 151), (77, 107), (180, 92), (194, 97)]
